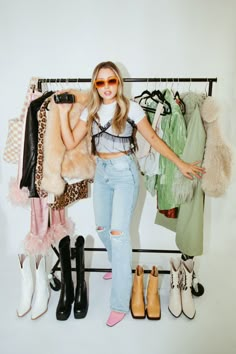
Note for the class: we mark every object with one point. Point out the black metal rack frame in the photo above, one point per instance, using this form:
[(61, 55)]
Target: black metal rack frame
[(41, 81), (142, 79)]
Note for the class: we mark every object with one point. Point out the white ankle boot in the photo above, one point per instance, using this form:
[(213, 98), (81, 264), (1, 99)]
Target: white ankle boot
[(186, 292), (42, 293), (175, 303), (27, 285)]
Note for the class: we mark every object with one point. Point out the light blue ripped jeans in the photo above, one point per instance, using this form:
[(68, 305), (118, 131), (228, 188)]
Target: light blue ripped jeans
[(116, 185)]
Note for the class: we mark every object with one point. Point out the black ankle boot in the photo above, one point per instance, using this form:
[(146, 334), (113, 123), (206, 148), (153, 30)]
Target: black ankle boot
[(67, 288), (81, 297)]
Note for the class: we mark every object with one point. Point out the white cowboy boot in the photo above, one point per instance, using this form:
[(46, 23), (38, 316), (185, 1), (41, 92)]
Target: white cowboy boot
[(27, 285), (175, 304), (186, 289), (42, 293)]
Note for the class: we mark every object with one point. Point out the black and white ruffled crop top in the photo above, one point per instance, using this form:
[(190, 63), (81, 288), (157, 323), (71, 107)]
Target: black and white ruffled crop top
[(104, 139)]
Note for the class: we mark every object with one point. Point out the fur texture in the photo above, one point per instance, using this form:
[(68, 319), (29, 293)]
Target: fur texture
[(36, 245), (58, 162), (218, 155), (17, 196)]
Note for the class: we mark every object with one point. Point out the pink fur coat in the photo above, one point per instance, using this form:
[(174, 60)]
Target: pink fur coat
[(58, 162)]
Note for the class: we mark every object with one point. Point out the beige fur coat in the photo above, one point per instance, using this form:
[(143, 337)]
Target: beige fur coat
[(218, 154), (59, 162)]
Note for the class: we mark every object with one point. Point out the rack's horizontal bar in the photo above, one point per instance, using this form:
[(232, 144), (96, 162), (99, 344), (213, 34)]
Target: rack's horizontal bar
[(131, 79), (140, 79), (105, 270), (136, 250), (170, 79)]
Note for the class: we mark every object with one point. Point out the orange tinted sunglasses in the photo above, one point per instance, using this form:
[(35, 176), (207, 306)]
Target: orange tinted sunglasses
[(100, 83)]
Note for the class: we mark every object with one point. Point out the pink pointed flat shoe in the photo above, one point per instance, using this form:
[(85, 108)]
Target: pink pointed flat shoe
[(114, 318), (107, 276)]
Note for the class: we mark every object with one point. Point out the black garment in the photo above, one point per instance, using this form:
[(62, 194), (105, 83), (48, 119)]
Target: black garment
[(30, 145)]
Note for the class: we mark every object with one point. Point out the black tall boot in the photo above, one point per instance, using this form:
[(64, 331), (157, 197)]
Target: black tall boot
[(81, 296), (67, 288)]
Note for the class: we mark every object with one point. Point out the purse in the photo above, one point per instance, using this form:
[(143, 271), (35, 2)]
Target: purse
[(12, 149), (13, 142), (149, 163)]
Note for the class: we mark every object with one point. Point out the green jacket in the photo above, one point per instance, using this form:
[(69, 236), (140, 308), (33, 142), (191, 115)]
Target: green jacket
[(174, 135), (189, 224)]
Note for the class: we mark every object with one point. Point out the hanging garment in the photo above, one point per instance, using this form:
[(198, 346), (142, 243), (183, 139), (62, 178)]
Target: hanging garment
[(150, 179), (58, 162), (42, 236), (218, 158), (72, 192), (174, 135), (30, 146), (149, 163), (189, 224), (17, 196), (16, 126), (189, 227), (183, 188)]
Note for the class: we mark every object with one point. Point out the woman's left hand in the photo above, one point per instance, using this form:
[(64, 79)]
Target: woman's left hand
[(190, 170)]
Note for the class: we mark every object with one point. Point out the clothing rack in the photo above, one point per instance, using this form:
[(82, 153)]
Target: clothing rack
[(142, 79), (41, 81)]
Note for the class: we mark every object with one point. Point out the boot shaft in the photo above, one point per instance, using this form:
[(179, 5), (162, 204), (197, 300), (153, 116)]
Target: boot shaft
[(153, 300), (137, 303), (152, 288), (175, 303), (42, 292), (187, 274), (81, 296), (175, 273), (41, 277), (25, 268), (138, 279), (26, 285), (65, 258), (186, 289), (67, 287), (79, 259)]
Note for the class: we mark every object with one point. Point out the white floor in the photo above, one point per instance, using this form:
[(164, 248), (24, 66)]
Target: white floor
[(212, 331)]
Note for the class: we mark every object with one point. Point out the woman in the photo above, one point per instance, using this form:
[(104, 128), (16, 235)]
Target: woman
[(111, 119)]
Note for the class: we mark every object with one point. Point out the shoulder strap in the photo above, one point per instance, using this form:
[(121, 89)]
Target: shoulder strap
[(106, 126)]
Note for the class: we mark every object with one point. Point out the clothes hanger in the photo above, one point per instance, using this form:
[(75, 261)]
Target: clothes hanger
[(163, 100), (165, 103), (145, 92), (147, 97), (180, 102)]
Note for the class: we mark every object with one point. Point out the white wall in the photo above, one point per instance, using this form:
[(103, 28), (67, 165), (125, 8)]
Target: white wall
[(152, 38)]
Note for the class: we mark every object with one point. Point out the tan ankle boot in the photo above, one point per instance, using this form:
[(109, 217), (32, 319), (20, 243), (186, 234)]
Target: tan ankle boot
[(153, 299), (137, 300)]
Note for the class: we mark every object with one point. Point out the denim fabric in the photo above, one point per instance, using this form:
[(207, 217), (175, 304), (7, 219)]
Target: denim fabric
[(116, 185)]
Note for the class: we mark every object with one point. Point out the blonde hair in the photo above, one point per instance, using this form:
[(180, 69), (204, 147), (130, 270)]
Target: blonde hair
[(95, 101)]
